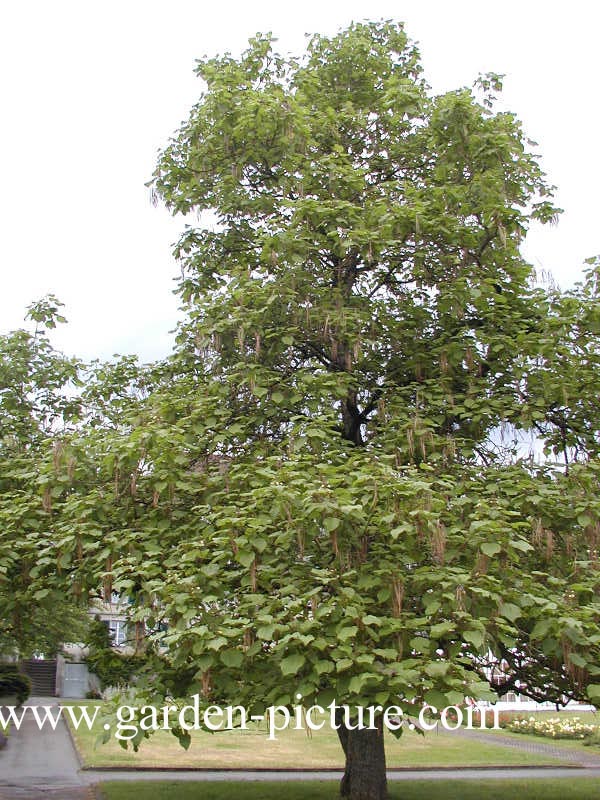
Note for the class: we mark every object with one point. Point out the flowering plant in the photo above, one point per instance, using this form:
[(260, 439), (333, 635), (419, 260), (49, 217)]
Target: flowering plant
[(554, 727)]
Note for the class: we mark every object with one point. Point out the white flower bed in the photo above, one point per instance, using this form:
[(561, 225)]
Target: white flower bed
[(554, 728)]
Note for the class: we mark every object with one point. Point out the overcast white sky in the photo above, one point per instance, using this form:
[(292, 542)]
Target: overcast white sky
[(92, 90)]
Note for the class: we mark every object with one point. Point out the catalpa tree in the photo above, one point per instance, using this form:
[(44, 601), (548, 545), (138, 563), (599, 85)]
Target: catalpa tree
[(38, 403), (325, 494)]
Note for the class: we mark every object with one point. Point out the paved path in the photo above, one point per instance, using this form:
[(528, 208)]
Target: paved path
[(588, 757), (478, 774), (41, 764)]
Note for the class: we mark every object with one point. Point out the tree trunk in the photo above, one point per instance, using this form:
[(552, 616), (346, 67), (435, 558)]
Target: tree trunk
[(365, 775)]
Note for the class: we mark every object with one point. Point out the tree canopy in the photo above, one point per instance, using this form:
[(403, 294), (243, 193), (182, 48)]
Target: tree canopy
[(37, 403), (325, 490)]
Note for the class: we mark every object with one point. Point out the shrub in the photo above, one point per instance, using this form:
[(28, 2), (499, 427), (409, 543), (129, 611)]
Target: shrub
[(14, 682)]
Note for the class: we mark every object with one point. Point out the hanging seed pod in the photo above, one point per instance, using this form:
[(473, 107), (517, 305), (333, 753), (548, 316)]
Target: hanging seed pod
[(364, 549), (420, 528), (444, 366), (592, 535), (461, 597), (140, 638), (397, 596), (399, 646), (469, 358), (481, 565), (438, 543), (538, 532), (334, 544), (410, 438), (56, 455), (107, 584), (375, 496), (549, 544), (501, 233), (567, 649)]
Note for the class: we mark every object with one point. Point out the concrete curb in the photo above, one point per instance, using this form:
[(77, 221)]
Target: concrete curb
[(73, 744), (288, 770)]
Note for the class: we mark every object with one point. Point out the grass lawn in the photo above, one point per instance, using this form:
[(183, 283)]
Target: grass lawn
[(293, 748), (558, 789)]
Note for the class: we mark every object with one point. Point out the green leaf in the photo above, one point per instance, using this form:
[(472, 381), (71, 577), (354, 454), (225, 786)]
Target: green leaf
[(265, 632), (490, 548), (436, 699), (347, 633), (245, 557), (291, 665), (232, 658), (510, 611), (474, 637)]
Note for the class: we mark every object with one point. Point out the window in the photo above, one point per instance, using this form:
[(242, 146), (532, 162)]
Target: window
[(118, 631)]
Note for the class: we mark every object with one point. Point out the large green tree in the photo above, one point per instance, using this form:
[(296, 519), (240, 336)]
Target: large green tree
[(324, 490), (38, 403)]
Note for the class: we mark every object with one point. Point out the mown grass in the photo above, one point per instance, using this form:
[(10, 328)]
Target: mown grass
[(536, 789), (251, 748)]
